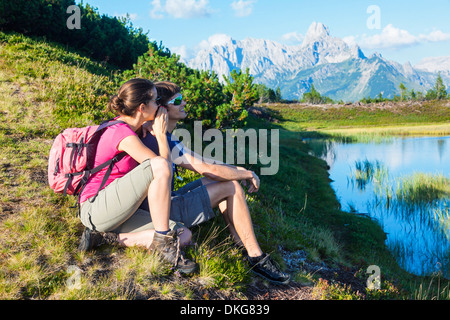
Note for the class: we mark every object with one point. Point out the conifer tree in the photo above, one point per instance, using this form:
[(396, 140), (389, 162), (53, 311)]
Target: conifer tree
[(439, 88)]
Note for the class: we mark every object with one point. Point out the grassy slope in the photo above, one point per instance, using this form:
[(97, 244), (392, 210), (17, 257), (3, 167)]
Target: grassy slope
[(411, 117), (44, 88)]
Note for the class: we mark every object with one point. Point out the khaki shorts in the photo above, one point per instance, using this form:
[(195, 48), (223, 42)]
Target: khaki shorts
[(116, 207)]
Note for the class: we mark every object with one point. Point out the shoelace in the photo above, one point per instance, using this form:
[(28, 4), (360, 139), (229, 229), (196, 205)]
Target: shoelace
[(270, 264), (178, 254)]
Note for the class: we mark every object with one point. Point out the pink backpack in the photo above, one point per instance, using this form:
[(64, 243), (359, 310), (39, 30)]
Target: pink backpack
[(72, 158)]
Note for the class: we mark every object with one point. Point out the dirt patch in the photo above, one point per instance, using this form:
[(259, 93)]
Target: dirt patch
[(293, 291)]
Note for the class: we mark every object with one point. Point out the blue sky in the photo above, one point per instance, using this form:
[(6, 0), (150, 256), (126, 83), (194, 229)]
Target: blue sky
[(398, 29)]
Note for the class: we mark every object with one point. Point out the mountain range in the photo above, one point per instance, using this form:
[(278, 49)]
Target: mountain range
[(337, 70)]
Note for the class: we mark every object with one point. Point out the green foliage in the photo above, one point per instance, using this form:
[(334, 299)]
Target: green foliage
[(101, 37), (374, 100), (268, 95), (314, 97), (215, 104), (403, 91), (438, 92), (241, 93)]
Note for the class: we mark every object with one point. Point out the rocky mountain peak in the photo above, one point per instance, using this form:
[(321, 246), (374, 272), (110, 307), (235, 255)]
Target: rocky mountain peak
[(316, 32), (336, 69)]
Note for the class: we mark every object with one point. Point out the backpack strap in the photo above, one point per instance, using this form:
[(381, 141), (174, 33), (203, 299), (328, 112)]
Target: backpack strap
[(87, 173), (110, 165)]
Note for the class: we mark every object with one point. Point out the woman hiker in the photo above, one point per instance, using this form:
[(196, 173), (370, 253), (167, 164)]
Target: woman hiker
[(113, 216)]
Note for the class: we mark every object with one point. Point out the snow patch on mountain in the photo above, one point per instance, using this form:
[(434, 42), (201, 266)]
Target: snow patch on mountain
[(434, 64), (338, 69)]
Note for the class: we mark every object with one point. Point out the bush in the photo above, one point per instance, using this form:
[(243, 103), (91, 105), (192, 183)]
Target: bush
[(314, 97), (103, 38), (115, 42), (216, 105)]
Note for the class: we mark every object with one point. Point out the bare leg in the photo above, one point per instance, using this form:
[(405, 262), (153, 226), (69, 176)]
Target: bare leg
[(159, 204), (159, 194), (223, 210), (230, 198), (145, 238)]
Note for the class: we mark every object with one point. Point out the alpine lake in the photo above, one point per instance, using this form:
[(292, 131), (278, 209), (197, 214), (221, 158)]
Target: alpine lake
[(403, 183)]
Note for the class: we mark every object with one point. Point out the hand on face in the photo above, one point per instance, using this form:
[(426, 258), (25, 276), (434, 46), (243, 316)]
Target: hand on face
[(159, 125)]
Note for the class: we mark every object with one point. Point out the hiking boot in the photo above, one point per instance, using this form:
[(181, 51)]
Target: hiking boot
[(91, 239), (268, 269), (169, 248)]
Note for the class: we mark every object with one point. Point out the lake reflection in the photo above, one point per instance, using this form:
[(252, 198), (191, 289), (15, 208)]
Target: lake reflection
[(421, 243)]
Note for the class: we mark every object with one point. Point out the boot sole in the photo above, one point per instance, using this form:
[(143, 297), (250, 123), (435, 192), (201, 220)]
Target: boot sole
[(273, 281), (188, 271)]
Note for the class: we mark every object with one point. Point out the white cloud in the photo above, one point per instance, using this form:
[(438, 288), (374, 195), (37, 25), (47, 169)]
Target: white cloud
[(156, 12), (214, 40), (435, 36), (180, 9), (243, 8), (293, 37), (184, 52), (392, 37)]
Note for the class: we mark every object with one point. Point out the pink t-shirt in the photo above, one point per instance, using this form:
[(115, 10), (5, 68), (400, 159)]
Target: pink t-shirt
[(106, 150)]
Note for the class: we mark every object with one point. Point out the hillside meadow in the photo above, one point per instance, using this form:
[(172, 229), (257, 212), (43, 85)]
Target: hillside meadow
[(45, 88)]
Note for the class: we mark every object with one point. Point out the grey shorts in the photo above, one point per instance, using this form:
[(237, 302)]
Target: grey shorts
[(190, 205)]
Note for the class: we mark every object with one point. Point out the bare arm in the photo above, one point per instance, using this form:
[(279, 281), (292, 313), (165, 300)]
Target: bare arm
[(138, 151), (217, 171)]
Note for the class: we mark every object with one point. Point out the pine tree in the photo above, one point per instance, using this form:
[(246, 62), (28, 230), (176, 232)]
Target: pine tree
[(278, 96), (313, 96), (403, 91), (438, 91), (241, 94), (439, 88)]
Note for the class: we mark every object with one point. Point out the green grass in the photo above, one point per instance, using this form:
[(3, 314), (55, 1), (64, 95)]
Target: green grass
[(420, 188), (43, 89), (378, 117)]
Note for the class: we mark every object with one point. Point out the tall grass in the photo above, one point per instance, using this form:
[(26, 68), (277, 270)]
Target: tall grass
[(366, 171), (420, 188), (418, 199), (383, 134), (410, 190), (442, 217)]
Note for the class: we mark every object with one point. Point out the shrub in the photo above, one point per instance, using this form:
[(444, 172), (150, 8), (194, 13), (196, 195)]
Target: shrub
[(101, 37)]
